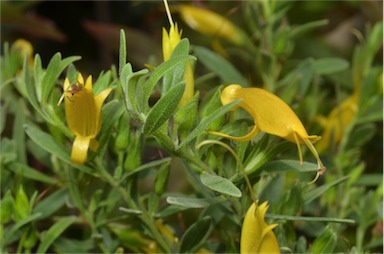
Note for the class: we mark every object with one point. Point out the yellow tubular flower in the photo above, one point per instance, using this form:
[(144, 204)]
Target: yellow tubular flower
[(170, 41), (334, 125), (271, 115), (24, 47), (210, 23), (83, 114), (256, 235)]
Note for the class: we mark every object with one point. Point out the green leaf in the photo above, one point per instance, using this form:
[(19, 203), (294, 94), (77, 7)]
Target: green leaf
[(7, 151), (51, 204), (185, 117), (46, 141), (18, 131), (111, 112), (22, 208), (206, 121), (317, 192), (128, 82), (174, 76), (326, 242), (54, 69), (6, 204), (146, 166), (54, 232), (30, 173), (224, 69), (160, 71), (8, 234), (253, 166), (31, 87), (122, 51), (196, 235), (305, 28), (325, 66), (189, 202), (161, 180), (163, 109), (220, 184)]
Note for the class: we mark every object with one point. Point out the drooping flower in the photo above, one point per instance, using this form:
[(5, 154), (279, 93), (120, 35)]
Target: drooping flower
[(271, 115), (24, 47), (256, 235), (170, 41), (211, 23), (83, 114)]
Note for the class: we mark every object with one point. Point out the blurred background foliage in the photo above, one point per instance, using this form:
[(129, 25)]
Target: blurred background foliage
[(351, 189)]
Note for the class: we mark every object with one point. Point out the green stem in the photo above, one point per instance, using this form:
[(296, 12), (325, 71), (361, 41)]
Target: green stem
[(146, 218)]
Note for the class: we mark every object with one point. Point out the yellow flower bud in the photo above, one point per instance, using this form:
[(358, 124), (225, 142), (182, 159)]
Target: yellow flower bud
[(256, 235), (24, 47)]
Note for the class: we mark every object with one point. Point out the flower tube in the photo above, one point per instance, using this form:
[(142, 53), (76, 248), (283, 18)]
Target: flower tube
[(83, 114)]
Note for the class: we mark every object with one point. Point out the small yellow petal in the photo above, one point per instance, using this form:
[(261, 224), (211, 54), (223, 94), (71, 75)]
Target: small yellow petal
[(80, 149), (80, 78)]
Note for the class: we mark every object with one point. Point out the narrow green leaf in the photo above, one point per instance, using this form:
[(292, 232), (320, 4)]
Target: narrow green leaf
[(46, 141), (220, 66), (111, 112), (175, 75), (196, 235), (30, 173), (189, 202), (325, 66), (159, 72), (220, 184), (146, 166), (122, 51), (128, 82), (22, 206), (325, 243), (51, 204), (254, 165), (317, 192), (54, 232), (206, 121), (31, 87), (18, 131), (48, 78), (54, 69), (163, 109), (8, 234), (7, 151), (305, 28)]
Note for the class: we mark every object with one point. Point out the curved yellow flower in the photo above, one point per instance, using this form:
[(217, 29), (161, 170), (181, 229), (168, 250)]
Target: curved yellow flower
[(83, 114), (271, 115), (24, 47), (210, 23), (170, 41), (256, 235), (339, 119)]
